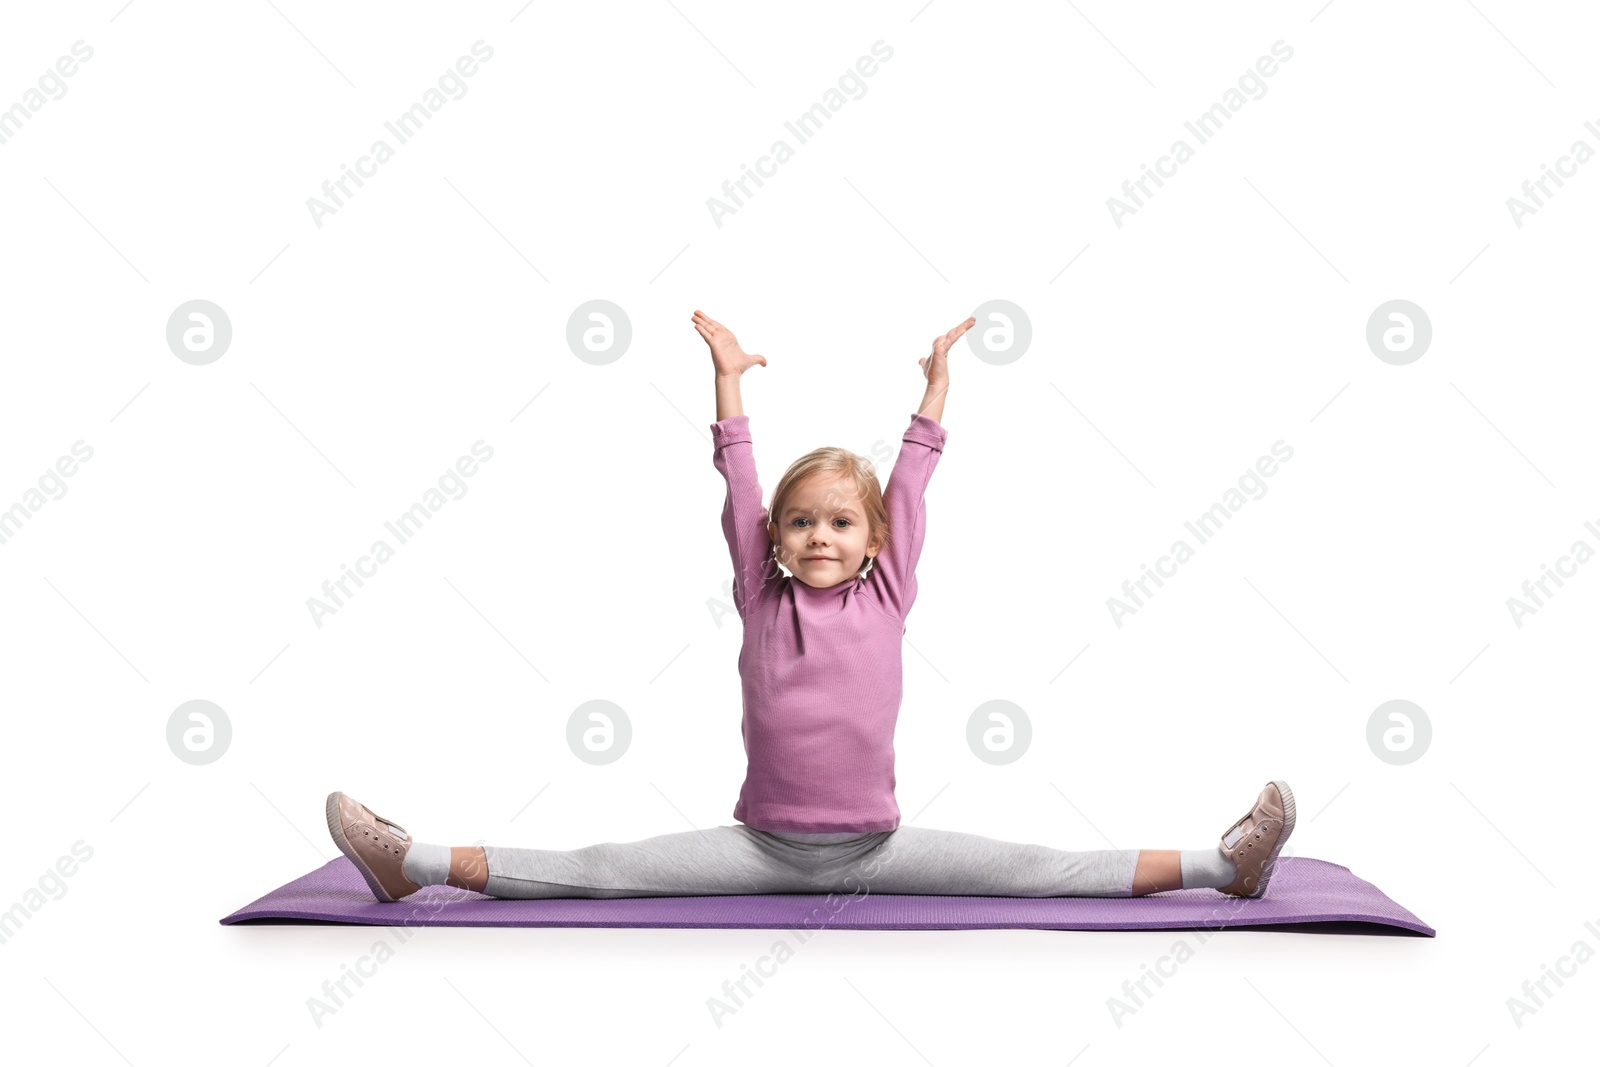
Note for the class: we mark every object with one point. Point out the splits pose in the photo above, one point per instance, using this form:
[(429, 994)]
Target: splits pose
[(821, 680)]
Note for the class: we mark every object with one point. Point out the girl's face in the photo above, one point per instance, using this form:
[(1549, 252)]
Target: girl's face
[(822, 536)]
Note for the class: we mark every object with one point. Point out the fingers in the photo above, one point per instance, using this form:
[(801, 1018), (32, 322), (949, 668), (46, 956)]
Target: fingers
[(942, 343), (713, 331)]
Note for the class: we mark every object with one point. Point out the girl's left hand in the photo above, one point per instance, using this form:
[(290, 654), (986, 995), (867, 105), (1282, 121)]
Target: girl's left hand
[(936, 367)]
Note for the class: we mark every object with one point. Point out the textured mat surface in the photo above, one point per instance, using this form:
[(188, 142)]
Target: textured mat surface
[(1302, 890)]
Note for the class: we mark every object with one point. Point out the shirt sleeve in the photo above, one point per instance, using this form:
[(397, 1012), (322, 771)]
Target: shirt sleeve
[(744, 519), (895, 569)]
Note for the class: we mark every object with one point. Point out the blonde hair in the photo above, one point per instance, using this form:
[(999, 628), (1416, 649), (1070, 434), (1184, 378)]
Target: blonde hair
[(834, 461)]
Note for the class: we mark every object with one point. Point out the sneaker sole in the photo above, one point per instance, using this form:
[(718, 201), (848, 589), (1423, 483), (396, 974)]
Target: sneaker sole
[(336, 829)]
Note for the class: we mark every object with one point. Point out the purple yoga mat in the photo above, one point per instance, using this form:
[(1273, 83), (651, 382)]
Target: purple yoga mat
[(1302, 890)]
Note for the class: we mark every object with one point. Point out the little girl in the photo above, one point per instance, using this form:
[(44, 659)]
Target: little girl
[(820, 668)]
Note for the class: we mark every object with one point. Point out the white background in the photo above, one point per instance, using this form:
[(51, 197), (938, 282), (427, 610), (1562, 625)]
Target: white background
[(586, 561)]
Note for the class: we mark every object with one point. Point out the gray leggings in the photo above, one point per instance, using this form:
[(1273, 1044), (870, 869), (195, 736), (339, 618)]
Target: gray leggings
[(739, 859)]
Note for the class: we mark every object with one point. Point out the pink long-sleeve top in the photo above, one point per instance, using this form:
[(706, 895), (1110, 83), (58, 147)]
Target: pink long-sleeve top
[(820, 668)]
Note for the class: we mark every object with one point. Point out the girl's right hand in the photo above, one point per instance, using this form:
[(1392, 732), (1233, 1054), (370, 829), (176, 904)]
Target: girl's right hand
[(729, 359)]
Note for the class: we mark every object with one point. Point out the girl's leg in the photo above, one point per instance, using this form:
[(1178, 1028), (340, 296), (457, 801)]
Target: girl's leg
[(469, 868), (721, 860), (1159, 869), (730, 859), (922, 861), (914, 860)]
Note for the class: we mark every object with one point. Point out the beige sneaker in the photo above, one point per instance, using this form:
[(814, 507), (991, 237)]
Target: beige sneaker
[(1253, 842), (374, 844)]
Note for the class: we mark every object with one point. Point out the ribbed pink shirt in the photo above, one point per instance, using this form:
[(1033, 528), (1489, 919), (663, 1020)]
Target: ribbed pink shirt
[(820, 668)]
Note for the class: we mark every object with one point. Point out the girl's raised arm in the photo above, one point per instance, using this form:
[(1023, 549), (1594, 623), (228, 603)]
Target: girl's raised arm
[(744, 519), (895, 569)]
